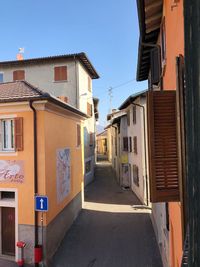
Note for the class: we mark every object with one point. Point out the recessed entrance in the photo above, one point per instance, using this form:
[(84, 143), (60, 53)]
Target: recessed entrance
[(8, 230)]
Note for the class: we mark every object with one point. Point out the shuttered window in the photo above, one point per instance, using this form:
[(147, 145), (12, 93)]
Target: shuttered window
[(135, 175), (78, 135), (134, 114), (155, 65), (89, 84), (18, 75), (130, 144), (125, 143), (162, 140), (128, 117), (89, 109), (60, 73), (91, 140), (18, 126), (135, 145)]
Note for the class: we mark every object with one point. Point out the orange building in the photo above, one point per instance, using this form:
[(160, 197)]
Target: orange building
[(41, 154), (160, 60)]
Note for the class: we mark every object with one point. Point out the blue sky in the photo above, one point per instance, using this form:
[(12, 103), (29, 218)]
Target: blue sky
[(106, 30)]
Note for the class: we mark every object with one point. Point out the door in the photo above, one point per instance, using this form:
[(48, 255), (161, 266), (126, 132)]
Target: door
[(8, 230)]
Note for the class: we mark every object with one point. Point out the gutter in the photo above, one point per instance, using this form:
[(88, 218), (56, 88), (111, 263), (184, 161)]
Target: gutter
[(35, 170)]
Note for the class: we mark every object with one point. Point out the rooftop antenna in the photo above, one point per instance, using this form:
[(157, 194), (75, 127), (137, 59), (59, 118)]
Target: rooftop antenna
[(110, 93), (20, 53)]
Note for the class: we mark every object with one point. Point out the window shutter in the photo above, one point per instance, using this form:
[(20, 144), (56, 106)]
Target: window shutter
[(155, 65), (91, 139), (162, 140), (135, 144), (135, 175), (130, 144), (134, 114), (125, 143), (1, 136), (18, 75), (78, 135), (89, 84), (18, 124), (89, 109), (60, 73), (128, 117)]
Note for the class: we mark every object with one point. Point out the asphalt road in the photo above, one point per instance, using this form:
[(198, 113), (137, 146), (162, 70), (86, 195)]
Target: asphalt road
[(112, 230)]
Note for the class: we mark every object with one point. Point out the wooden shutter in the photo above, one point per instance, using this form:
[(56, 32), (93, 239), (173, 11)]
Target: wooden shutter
[(128, 117), (18, 75), (89, 84), (18, 124), (134, 114), (125, 143), (130, 144), (162, 140), (135, 144), (78, 135), (60, 73), (155, 65), (135, 175), (91, 139), (89, 109)]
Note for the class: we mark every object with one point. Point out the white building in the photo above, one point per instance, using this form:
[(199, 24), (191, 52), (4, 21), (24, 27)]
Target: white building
[(68, 77)]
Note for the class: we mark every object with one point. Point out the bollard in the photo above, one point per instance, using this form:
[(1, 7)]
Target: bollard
[(21, 245)]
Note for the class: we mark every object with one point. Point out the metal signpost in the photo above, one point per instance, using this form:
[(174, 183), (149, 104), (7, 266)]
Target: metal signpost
[(42, 205)]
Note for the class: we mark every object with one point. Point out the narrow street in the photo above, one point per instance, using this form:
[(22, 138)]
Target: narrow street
[(113, 229)]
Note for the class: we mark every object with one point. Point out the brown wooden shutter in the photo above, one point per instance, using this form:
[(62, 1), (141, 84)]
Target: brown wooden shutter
[(135, 175), (89, 84), (91, 139), (78, 135), (155, 65), (18, 124), (135, 144), (125, 143), (162, 140), (18, 75), (130, 144), (60, 73), (134, 114), (89, 109), (128, 117)]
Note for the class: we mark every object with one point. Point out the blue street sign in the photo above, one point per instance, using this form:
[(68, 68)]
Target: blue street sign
[(41, 203)]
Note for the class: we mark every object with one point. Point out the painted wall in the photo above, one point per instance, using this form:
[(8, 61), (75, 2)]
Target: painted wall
[(139, 158), (42, 76), (174, 46)]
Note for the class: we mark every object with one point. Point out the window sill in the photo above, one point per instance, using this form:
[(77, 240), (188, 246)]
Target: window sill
[(61, 81), (10, 153)]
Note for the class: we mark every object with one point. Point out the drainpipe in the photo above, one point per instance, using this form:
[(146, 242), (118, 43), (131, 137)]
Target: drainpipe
[(35, 169), (76, 80), (145, 152)]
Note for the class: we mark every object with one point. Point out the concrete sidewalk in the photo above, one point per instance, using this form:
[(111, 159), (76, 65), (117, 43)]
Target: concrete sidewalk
[(109, 232)]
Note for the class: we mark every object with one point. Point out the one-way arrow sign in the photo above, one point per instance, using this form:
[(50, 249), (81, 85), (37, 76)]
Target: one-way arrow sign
[(41, 203)]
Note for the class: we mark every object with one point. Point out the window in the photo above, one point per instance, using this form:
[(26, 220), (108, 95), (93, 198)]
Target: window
[(60, 73), (155, 61), (11, 134), (125, 143), (134, 114), (130, 144), (135, 144), (128, 117), (1, 77), (89, 109), (89, 84), (7, 195), (88, 166), (163, 155), (78, 135), (18, 75), (135, 175), (91, 139)]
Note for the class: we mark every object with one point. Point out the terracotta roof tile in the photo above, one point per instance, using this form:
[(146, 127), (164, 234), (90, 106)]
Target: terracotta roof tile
[(18, 90)]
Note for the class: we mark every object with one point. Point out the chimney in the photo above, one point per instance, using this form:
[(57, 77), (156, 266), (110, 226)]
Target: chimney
[(20, 54), (63, 98)]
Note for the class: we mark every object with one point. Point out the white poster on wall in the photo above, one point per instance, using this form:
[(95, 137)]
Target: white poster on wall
[(63, 173)]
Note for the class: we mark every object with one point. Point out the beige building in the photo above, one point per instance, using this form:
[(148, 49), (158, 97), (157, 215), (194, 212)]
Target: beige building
[(68, 77)]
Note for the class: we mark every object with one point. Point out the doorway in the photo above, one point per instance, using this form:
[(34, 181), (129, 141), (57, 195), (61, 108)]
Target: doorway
[(8, 230)]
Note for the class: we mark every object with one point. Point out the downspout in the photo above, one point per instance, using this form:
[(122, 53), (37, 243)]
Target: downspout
[(145, 152), (35, 169), (76, 80), (154, 46)]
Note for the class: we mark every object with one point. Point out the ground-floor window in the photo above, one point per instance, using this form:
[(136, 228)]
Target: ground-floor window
[(88, 166)]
